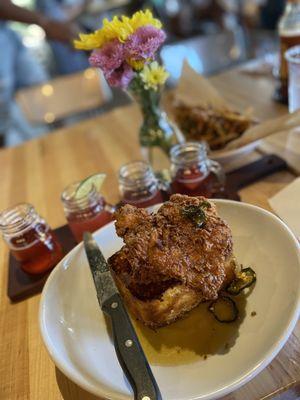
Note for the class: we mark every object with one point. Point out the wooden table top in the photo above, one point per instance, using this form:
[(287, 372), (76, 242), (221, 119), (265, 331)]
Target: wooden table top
[(38, 171)]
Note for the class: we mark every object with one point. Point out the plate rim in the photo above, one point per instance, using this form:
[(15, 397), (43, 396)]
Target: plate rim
[(224, 154), (255, 370)]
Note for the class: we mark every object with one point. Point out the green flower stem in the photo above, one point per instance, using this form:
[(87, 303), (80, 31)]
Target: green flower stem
[(155, 130)]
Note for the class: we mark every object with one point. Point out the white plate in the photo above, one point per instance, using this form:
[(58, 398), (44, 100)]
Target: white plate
[(228, 156), (75, 334)]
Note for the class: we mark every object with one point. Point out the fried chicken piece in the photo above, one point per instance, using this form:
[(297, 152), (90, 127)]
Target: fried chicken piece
[(167, 256)]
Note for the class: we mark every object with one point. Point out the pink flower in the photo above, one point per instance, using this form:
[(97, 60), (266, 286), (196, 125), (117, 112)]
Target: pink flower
[(109, 57), (144, 42), (121, 76)]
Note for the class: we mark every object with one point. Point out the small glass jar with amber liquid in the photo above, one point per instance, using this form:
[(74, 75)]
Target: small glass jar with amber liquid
[(138, 185), (30, 239), (87, 212), (193, 173)]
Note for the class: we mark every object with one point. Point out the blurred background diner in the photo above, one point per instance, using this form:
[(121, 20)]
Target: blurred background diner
[(41, 74)]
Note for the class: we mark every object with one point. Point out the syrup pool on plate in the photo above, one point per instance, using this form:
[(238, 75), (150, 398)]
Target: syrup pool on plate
[(195, 337)]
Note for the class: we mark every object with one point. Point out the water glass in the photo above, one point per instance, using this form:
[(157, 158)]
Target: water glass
[(293, 58)]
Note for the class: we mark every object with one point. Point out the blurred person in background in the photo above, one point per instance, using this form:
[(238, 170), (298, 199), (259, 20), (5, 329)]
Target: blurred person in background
[(255, 13), (67, 59), (258, 20), (18, 68), (240, 12), (87, 15), (270, 13), (187, 18)]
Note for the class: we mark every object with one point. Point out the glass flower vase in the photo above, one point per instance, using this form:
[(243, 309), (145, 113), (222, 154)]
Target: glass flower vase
[(157, 134)]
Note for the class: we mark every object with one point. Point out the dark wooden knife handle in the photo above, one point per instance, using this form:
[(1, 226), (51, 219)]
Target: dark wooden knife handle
[(250, 173), (129, 351)]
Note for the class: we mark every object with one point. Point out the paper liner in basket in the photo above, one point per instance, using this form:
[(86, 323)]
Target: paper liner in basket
[(194, 89)]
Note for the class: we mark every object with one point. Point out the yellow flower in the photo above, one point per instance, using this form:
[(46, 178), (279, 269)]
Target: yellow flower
[(117, 28), (143, 18), (154, 75), (137, 65), (90, 41)]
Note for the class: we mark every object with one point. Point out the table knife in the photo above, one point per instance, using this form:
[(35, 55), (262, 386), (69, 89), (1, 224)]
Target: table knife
[(128, 349)]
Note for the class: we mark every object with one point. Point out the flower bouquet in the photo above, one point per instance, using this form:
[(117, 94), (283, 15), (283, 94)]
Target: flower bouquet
[(125, 50)]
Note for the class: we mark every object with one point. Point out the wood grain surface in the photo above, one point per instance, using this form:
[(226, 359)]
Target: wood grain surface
[(38, 171)]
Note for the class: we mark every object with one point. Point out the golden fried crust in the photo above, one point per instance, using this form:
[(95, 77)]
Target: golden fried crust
[(166, 250), (174, 302)]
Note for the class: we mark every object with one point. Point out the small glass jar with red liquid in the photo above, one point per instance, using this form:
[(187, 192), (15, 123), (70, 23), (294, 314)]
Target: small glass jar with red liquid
[(138, 185), (86, 213), (30, 239), (193, 173)]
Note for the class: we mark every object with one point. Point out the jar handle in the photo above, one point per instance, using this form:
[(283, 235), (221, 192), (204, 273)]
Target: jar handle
[(216, 169), (110, 208)]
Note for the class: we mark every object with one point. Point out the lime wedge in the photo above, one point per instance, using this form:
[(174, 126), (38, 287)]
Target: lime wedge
[(86, 185)]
